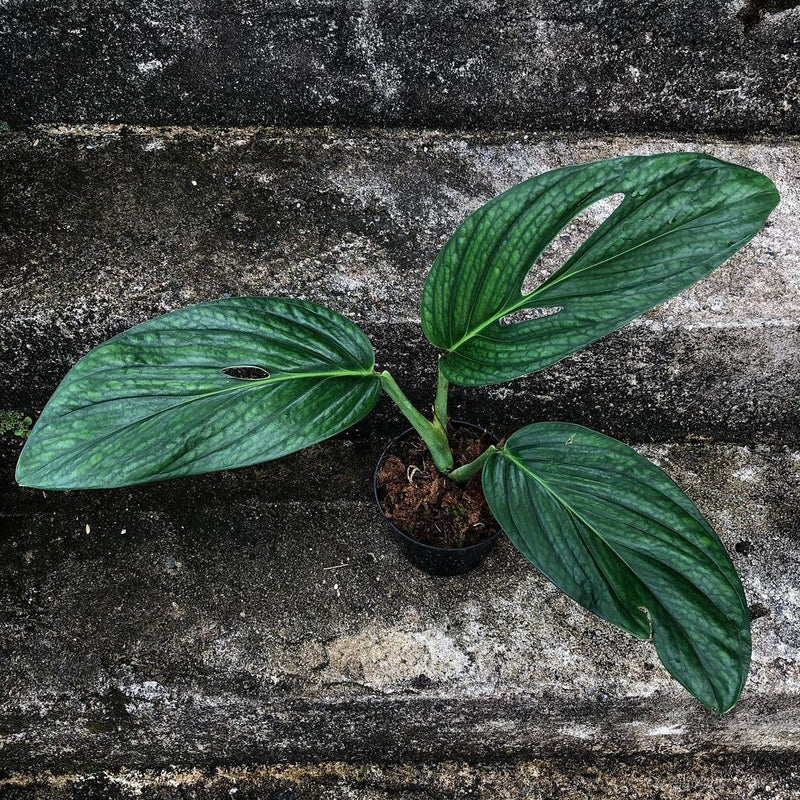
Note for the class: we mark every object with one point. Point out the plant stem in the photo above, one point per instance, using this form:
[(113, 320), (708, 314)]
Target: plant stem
[(433, 436), (465, 472), (440, 404)]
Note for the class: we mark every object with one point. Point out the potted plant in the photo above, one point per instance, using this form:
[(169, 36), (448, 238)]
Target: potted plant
[(237, 381)]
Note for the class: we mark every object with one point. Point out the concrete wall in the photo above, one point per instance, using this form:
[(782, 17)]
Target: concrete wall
[(715, 65)]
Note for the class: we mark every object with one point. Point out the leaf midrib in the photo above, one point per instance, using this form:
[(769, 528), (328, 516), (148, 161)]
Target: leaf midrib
[(555, 281), (205, 395), (240, 384)]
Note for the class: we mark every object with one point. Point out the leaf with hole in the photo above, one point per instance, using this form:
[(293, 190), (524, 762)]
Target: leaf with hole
[(613, 531), (213, 386), (683, 214)]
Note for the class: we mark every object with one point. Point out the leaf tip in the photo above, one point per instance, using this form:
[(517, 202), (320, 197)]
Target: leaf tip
[(22, 475)]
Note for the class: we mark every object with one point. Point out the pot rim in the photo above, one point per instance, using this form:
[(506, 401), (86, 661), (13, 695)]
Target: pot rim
[(411, 539)]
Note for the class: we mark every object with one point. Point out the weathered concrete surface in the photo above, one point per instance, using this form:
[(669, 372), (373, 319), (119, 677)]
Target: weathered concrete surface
[(684, 777), (104, 227), (711, 65), (170, 626), (229, 619)]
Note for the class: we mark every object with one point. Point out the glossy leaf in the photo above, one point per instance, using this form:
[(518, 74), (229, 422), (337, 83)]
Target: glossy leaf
[(683, 214), (154, 402), (613, 531)]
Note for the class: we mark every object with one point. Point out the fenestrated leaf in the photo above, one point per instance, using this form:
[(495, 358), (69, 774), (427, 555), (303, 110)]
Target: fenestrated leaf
[(683, 214), (613, 531), (154, 402)]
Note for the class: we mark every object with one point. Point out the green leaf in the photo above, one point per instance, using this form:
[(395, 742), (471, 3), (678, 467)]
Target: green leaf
[(613, 531), (682, 216), (154, 402)]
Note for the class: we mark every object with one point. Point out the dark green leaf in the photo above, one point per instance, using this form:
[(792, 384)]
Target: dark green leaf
[(682, 216), (613, 531), (154, 402)]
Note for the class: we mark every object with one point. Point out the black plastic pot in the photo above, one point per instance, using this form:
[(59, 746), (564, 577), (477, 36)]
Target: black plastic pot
[(436, 560)]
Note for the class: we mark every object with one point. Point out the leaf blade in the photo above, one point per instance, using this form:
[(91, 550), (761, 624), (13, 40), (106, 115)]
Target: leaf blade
[(683, 214), (619, 536), (154, 402)]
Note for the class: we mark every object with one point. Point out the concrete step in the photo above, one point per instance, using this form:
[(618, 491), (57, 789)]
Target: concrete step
[(165, 626), (107, 226), (652, 777), (551, 64)]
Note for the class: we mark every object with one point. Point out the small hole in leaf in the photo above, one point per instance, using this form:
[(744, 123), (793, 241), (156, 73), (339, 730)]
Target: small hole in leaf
[(569, 239), (527, 314), (247, 373)]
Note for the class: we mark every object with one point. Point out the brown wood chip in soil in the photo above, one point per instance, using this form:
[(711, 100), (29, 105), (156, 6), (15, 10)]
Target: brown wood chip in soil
[(426, 505)]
